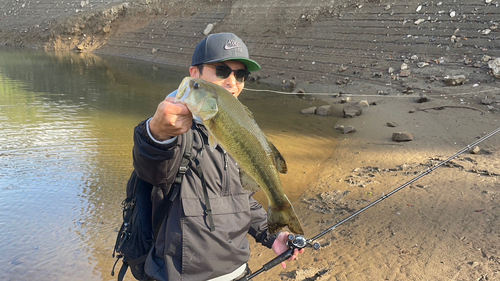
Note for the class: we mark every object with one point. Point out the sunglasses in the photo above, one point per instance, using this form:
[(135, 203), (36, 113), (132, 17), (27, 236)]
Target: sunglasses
[(223, 71)]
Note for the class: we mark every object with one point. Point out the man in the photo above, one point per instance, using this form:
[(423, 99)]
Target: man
[(189, 246)]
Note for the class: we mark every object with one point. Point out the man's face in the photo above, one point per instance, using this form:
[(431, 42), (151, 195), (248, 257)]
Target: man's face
[(230, 83)]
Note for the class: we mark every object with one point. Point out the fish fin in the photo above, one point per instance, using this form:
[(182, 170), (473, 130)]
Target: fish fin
[(249, 112), (248, 183), (278, 218), (279, 161), (212, 142)]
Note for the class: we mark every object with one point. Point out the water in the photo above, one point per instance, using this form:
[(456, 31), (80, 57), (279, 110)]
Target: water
[(66, 127), (65, 156)]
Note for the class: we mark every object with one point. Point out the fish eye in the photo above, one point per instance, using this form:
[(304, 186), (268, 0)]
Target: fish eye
[(196, 86)]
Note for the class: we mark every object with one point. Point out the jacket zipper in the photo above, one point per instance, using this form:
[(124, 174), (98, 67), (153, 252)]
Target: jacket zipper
[(225, 185)]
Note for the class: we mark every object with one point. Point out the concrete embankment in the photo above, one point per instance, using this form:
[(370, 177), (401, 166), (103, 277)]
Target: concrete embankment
[(313, 42)]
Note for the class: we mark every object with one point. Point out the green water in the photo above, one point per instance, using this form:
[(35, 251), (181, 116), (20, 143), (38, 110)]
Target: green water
[(65, 156), (66, 136)]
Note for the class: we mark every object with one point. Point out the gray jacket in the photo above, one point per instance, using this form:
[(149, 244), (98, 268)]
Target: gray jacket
[(186, 249)]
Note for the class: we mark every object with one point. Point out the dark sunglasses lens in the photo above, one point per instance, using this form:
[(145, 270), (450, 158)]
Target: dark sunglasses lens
[(223, 72), (241, 75)]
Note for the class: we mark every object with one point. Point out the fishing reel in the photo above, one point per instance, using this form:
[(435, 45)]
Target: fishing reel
[(300, 242), (294, 242)]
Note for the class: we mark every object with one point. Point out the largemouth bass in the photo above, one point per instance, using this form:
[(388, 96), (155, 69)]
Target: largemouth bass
[(231, 125)]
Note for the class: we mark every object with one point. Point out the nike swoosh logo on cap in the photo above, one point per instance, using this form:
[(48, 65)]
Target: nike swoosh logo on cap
[(226, 47)]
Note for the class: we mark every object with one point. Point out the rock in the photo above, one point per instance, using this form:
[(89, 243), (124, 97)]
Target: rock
[(364, 103), (391, 124), (419, 21), (473, 264), (422, 64), (408, 90), (454, 80), (495, 67), (106, 29), (345, 130), (402, 136), (348, 130), (310, 110), (422, 98), (345, 99), (355, 109), (324, 110), (486, 58), (208, 29), (486, 31), (477, 64), (431, 79), (299, 92), (405, 73), (487, 101), (475, 150)]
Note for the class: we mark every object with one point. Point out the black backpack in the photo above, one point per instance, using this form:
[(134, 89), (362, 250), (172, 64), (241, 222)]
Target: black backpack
[(138, 231)]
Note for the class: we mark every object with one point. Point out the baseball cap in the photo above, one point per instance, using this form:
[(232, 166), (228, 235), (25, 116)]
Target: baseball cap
[(219, 47)]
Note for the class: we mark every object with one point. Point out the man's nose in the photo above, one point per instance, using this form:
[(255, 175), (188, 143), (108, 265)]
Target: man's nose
[(231, 80)]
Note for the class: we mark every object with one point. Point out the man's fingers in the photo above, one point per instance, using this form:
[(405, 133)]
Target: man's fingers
[(170, 107)]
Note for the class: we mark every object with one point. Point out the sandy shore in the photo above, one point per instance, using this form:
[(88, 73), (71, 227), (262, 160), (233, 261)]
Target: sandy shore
[(446, 226), (442, 227)]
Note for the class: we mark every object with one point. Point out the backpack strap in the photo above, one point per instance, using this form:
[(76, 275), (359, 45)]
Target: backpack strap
[(186, 147)]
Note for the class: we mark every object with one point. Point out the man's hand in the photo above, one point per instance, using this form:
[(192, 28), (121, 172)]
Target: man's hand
[(280, 246), (170, 120)]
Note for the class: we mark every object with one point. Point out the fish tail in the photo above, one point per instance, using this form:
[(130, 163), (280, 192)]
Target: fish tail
[(281, 217)]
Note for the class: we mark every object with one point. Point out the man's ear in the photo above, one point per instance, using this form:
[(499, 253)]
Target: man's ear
[(194, 72)]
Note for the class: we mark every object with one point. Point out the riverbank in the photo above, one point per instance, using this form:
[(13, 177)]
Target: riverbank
[(400, 58), (442, 227)]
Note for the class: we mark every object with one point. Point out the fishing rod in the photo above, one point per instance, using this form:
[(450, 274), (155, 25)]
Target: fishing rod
[(300, 242)]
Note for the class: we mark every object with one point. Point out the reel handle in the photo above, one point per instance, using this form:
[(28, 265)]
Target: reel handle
[(294, 242)]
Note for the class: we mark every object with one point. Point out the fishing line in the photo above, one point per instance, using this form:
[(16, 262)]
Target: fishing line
[(359, 95), (300, 242)]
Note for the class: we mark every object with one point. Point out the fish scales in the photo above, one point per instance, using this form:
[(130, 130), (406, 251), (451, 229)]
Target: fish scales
[(231, 125)]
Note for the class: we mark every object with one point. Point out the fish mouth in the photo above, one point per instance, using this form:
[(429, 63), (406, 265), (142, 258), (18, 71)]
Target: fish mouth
[(183, 91)]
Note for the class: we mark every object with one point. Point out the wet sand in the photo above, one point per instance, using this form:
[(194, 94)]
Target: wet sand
[(442, 227)]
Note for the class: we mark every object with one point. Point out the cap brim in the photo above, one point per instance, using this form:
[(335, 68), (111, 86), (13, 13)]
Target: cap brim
[(250, 64)]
